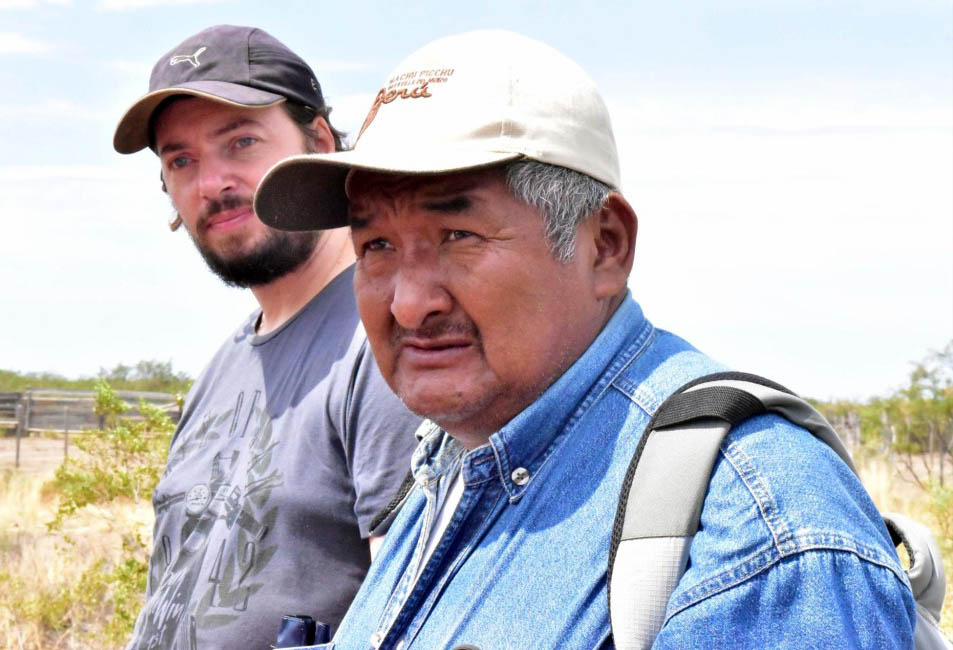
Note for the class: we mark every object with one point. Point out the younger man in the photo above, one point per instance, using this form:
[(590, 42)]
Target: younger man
[(290, 441)]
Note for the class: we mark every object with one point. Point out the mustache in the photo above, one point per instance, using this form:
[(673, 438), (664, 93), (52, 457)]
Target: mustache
[(227, 202), (435, 330)]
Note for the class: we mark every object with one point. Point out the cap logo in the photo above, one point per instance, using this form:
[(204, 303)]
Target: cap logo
[(408, 85), (188, 58)]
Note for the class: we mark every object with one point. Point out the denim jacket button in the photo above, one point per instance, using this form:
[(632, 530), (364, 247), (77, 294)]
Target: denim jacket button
[(520, 476)]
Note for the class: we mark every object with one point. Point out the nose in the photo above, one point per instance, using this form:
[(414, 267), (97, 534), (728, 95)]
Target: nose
[(214, 178), (419, 294)]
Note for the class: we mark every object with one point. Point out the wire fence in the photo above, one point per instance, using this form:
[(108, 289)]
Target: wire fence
[(42, 412)]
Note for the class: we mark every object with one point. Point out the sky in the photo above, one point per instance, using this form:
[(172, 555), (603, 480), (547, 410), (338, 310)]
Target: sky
[(791, 164)]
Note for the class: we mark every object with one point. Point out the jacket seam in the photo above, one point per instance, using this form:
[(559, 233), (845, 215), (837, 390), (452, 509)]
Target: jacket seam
[(763, 560), (760, 491)]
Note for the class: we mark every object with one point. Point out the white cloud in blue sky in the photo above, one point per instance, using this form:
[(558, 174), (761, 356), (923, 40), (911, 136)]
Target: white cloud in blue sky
[(131, 5), (14, 43), (18, 5), (791, 164)]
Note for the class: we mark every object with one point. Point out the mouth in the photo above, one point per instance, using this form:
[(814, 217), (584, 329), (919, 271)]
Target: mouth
[(434, 353), (226, 220)]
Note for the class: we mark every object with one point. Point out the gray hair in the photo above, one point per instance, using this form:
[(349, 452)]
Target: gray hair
[(564, 198)]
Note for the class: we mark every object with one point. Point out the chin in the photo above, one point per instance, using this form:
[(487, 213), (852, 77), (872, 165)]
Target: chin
[(455, 413)]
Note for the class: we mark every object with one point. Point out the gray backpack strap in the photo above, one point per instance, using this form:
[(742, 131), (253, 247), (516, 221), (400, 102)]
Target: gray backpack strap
[(659, 508), (665, 487), (651, 536)]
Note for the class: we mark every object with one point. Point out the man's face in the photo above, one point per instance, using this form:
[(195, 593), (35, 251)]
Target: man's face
[(212, 157), (469, 315)]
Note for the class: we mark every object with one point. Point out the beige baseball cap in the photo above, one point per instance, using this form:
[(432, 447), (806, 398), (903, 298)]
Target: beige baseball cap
[(461, 102)]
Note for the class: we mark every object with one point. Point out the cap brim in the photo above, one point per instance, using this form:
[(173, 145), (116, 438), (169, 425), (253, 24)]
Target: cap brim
[(132, 134), (308, 192)]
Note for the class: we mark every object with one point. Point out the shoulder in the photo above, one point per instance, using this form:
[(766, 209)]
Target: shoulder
[(785, 517), (805, 494), (222, 362)]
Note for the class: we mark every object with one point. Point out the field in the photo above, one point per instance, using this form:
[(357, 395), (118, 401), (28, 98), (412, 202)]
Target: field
[(53, 584)]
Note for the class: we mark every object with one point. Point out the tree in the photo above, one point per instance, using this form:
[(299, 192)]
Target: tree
[(921, 419), (147, 375)]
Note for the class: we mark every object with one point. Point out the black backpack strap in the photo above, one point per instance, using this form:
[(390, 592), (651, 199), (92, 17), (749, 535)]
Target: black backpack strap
[(387, 515)]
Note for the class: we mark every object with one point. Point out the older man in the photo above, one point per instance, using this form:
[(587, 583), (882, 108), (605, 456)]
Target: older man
[(290, 442), (493, 254)]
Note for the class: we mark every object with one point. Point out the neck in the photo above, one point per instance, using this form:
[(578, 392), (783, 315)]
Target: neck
[(283, 298)]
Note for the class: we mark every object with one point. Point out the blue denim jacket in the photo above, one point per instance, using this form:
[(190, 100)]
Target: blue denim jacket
[(791, 552)]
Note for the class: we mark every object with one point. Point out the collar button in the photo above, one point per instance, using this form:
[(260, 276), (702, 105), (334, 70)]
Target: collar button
[(520, 476)]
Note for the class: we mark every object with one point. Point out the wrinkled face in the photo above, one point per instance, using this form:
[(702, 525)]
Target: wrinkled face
[(469, 315), (212, 158)]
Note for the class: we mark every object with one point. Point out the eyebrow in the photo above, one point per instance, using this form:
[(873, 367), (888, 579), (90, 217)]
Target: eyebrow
[(357, 223), (454, 203), (222, 130)]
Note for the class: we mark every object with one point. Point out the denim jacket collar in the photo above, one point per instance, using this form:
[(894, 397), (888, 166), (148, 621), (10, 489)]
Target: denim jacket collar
[(517, 451)]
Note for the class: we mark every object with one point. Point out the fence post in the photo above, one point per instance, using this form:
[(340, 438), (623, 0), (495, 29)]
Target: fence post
[(29, 413), (19, 431), (66, 431)]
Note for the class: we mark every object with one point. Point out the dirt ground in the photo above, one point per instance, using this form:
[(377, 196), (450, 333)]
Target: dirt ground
[(37, 455)]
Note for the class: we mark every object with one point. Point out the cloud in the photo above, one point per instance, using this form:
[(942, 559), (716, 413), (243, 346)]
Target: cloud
[(780, 116), (31, 4), (52, 108), (13, 43), (791, 233), (138, 69), (44, 173), (132, 5)]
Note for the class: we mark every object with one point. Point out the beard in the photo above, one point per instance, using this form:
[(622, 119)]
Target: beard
[(278, 254)]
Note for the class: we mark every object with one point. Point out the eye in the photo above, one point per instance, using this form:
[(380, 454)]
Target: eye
[(245, 141), (178, 162), (454, 235), (378, 244)]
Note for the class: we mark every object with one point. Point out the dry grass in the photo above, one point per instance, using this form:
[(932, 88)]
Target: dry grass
[(893, 492), (53, 584), (52, 594)]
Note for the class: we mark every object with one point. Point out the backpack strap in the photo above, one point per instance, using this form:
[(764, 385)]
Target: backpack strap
[(665, 487)]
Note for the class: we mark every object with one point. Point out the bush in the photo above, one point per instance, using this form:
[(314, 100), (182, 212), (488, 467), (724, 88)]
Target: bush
[(123, 461)]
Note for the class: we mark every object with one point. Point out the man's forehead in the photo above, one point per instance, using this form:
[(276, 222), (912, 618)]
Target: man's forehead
[(217, 117)]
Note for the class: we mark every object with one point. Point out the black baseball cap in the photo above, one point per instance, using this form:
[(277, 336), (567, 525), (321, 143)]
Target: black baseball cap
[(240, 66)]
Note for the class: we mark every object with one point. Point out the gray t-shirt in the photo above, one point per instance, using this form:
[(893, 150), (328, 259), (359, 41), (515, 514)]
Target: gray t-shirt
[(289, 444)]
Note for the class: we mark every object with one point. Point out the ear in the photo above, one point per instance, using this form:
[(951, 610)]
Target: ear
[(614, 229), (322, 141)]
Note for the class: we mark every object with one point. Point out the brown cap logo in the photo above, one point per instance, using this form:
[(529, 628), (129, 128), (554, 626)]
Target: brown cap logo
[(407, 85)]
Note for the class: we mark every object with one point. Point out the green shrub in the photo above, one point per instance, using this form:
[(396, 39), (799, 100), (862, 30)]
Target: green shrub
[(123, 461)]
